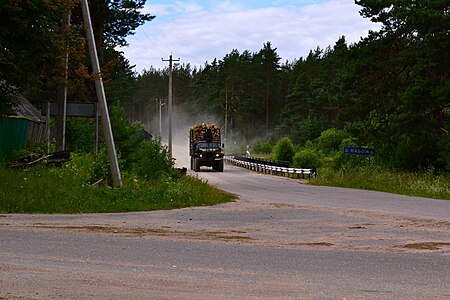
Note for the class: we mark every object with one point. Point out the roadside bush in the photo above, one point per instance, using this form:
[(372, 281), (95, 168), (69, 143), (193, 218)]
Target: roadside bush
[(330, 140), (80, 134), (151, 160), (283, 150), (102, 168), (344, 161), (307, 158), (82, 165), (126, 135)]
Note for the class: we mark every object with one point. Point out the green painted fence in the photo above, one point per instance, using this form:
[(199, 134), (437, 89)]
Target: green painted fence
[(13, 135)]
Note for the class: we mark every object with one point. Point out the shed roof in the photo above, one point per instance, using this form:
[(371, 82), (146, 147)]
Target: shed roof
[(23, 108)]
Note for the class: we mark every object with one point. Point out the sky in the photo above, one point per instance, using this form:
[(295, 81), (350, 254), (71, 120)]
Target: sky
[(198, 31)]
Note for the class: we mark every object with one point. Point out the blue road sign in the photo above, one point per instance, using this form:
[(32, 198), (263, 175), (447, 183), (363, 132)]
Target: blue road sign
[(359, 151)]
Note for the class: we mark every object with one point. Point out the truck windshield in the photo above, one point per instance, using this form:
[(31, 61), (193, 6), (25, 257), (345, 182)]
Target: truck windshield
[(214, 146)]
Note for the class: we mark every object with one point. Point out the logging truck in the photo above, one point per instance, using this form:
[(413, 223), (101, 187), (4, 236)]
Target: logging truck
[(205, 148)]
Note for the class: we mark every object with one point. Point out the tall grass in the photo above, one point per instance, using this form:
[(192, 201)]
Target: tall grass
[(372, 177), (68, 189)]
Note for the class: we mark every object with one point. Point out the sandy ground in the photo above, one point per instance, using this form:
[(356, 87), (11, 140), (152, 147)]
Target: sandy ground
[(258, 222)]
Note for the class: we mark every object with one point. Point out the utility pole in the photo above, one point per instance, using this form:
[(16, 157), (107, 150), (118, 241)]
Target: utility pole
[(226, 117), (170, 60), (110, 146), (62, 90), (160, 105)]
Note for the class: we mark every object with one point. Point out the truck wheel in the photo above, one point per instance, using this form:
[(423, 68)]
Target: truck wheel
[(196, 165), (220, 166)]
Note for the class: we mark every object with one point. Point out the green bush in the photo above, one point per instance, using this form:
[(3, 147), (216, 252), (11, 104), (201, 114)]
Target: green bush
[(125, 134), (307, 158), (82, 165), (151, 160), (342, 161), (262, 146), (330, 140), (283, 150), (102, 167), (80, 134)]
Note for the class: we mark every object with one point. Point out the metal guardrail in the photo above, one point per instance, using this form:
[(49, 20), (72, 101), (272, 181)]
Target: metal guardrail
[(268, 162), (263, 167)]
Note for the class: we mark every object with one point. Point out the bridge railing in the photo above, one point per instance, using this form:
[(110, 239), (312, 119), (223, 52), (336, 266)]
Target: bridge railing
[(263, 167)]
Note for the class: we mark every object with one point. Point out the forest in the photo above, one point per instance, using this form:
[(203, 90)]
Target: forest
[(390, 91)]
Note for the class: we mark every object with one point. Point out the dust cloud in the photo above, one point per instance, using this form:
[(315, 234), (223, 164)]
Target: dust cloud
[(182, 122)]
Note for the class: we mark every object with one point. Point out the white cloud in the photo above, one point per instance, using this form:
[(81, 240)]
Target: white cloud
[(157, 9), (187, 7), (197, 35)]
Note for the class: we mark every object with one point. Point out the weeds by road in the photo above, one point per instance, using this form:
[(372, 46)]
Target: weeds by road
[(69, 189), (371, 177)]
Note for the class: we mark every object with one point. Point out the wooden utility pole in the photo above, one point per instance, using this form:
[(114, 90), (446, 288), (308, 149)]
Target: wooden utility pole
[(170, 60), (110, 146), (62, 91)]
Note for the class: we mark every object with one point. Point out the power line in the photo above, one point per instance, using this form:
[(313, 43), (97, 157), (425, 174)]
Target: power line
[(153, 43)]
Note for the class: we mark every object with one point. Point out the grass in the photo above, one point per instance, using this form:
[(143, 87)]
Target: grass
[(420, 184), (68, 189)]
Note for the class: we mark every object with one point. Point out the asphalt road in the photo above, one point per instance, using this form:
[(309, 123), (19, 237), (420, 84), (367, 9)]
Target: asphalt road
[(280, 240)]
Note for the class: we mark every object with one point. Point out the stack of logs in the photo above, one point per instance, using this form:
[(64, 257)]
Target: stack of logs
[(200, 129)]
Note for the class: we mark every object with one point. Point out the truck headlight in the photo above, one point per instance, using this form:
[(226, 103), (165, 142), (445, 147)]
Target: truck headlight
[(201, 155), (217, 155)]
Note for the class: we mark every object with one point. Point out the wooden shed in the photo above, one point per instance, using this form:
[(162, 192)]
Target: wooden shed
[(25, 126)]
